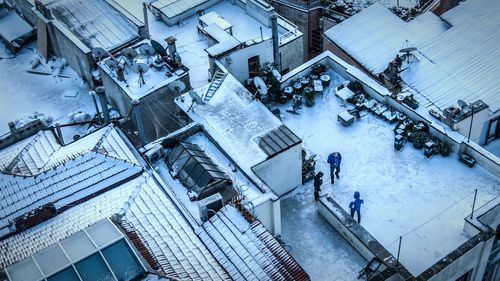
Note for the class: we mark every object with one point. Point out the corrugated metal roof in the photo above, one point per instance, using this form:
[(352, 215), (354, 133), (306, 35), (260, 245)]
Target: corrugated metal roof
[(172, 8), (94, 22), (453, 63), (278, 140), (248, 251), (375, 35)]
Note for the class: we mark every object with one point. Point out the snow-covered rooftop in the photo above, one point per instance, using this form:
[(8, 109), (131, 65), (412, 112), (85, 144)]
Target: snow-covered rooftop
[(394, 185), (450, 63), (375, 35), (24, 92), (191, 44), (247, 250), (154, 79), (235, 120), (94, 22), (43, 172)]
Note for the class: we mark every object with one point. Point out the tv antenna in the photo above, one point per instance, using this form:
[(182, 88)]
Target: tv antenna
[(462, 104), (140, 68), (112, 64), (99, 53)]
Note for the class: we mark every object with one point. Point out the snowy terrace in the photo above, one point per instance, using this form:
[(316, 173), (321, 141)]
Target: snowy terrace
[(53, 90), (406, 194), (191, 44)]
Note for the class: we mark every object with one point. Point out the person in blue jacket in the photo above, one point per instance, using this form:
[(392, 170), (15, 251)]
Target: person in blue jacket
[(334, 159), (355, 206)]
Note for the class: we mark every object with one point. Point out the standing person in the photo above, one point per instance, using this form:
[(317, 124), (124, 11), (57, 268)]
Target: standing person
[(355, 206), (318, 181), (334, 160)]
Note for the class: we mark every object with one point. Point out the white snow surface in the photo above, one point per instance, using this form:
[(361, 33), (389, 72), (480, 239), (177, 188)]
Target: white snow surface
[(424, 200), (23, 93)]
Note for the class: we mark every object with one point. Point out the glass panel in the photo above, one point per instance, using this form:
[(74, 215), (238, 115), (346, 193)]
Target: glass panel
[(78, 245), (67, 274), (24, 270), (51, 259), (103, 232), (93, 268), (122, 261), (181, 160)]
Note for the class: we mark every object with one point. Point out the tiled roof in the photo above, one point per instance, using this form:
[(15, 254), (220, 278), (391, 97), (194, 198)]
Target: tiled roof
[(65, 224), (40, 171), (170, 239), (247, 250), (76, 179)]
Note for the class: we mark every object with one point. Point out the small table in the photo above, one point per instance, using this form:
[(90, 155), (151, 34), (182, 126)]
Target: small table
[(345, 118), (214, 18)]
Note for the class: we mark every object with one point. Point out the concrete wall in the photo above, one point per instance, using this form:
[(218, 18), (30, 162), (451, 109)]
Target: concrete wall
[(475, 260), (260, 10), (268, 211), (160, 115), (479, 122), (236, 62), (291, 54), (283, 172)]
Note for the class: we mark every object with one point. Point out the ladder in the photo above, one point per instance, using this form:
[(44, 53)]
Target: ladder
[(216, 82)]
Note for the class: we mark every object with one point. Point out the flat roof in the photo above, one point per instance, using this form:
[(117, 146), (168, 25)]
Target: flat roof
[(394, 185), (154, 79), (191, 45), (235, 120)]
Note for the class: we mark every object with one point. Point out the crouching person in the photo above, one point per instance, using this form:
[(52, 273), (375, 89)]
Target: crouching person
[(318, 181)]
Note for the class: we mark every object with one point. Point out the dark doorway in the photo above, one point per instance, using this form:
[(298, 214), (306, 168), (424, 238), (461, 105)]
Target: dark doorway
[(253, 66)]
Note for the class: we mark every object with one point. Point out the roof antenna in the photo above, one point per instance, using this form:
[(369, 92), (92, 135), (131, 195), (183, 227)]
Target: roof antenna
[(407, 49)]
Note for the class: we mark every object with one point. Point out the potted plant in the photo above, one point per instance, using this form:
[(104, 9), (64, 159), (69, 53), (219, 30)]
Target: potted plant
[(309, 94), (355, 87), (419, 139)]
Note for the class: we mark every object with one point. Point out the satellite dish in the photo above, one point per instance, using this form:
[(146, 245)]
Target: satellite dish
[(196, 98), (260, 85), (147, 50), (462, 104), (158, 48), (177, 86), (112, 64), (129, 53), (408, 50), (140, 68), (98, 52)]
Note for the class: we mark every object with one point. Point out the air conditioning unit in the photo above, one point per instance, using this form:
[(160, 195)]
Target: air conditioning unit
[(210, 206), (154, 154)]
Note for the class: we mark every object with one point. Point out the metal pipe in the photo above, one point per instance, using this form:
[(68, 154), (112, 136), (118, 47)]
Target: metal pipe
[(59, 133), (104, 105), (138, 121), (146, 22), (473, 204), (276, 45), (471, 120), (94, 99), (399, 249)]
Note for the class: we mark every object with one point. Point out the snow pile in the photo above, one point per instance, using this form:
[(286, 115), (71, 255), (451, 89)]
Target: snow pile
[(46, 120)]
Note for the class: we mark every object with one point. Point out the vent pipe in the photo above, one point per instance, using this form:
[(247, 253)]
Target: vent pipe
[(172, 49), (104, 106), (276, 45), (136, 111), (146, 22)]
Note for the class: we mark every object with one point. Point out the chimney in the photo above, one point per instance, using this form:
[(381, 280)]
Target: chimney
[(94, 99), (172, 50), (12, 128), (276, 45), (59, 133), (138, 121), (104, 106), (146, 22)]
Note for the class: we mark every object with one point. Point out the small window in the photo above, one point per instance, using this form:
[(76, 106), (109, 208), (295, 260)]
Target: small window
[(122, 261), (67, 274), (466, 277)]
